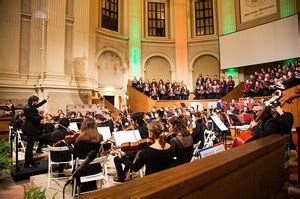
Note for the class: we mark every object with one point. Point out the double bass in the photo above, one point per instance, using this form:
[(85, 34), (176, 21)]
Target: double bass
[(249, 135)]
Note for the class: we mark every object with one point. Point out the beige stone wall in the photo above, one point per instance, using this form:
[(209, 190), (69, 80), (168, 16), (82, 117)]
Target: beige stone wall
[(54, 47), (157, 68)]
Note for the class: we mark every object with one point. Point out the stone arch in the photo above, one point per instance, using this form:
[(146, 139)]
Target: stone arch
[(157, 67), (206, 65), (100, 52), (196, 56), (158, 54)]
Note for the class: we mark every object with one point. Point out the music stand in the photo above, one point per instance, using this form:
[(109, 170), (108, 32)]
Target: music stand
[(221, 126)]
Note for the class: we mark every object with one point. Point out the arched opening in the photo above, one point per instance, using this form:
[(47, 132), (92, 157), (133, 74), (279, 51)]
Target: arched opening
[(157, 68), (205, 65)]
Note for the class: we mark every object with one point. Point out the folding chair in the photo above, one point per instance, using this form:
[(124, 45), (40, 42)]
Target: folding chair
[(209, 138), (52, 162), (102, 175), (18, 135)]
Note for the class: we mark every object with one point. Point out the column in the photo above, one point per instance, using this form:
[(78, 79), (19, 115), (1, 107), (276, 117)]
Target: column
[(10, 18), (81, 39), (287, 8), (54, 26), (228, 16), (180, 29), (135, 38)]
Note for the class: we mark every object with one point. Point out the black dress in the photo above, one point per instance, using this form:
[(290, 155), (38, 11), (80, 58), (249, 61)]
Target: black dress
[(81, 150), (155, 160), (182, 148)]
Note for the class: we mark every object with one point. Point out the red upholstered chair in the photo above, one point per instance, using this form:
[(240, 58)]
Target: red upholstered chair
[(248, 117)]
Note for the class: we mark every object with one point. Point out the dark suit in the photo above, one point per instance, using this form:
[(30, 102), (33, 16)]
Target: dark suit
[(267, 127), (31, 129)]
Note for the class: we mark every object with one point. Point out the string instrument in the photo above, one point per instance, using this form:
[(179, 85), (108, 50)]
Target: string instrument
[(249, 135), (69, 139), (135, 146)]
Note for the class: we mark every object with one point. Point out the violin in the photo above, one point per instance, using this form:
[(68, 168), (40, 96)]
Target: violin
[(135, 146), (69, 139)]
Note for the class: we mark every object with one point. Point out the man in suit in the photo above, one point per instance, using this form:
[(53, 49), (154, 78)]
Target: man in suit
[(31, 127)]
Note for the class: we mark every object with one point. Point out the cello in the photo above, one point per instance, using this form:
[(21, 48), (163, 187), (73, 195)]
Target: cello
[(249, 135)]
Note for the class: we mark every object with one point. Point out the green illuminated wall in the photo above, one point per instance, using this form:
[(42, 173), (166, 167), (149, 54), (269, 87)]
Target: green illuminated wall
[(228, 15), (135, 37), (287, 8)]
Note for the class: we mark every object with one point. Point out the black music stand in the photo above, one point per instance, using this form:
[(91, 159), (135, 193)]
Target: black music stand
[(221, 126)]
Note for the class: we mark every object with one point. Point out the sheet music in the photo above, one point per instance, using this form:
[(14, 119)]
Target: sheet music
[(73, 126), (126, 136), (219, 123), (105, 132)]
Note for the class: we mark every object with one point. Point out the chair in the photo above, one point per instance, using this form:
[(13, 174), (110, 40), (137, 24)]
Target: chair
[(18, 135), (195, 153), (98, 176), (52, 162)]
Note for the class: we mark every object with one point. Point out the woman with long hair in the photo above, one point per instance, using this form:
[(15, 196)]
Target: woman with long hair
[(88, 140), (157, 157), (181, 141)]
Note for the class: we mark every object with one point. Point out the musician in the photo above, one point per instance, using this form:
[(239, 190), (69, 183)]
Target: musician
[(88, 140), (267, 125), (56, 136), (18, 121), (198, 131), (181, 141), (138, 123), (31, 127), (286, 121), (157, 157), (60, 132)]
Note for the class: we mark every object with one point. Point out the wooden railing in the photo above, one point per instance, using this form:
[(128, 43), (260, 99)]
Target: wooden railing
[(235, 93), (112, 108), (253, 170), (138, 101)]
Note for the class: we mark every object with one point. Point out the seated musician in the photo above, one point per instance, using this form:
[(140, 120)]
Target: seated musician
[(156, 157), (56, 136), (198, 131), (137, 123), (267, 124), (17, 121), (181, 141), (88, 140), (286, 121)]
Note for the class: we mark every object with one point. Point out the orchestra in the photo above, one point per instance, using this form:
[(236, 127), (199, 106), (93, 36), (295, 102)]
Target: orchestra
[(168, 134)]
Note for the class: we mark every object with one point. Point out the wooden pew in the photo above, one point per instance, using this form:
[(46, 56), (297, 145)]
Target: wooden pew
[(253, 170)]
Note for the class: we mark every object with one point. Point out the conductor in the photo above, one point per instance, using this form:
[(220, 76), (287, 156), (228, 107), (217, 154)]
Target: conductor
[(31, 127)]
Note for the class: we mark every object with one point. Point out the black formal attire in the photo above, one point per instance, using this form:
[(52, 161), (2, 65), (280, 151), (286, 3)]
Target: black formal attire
[(286, 121), (182, 148), (59, 156), (129, 156), (31, 129), (81, 150), (198, 133), (155, 160), (267, 127), (143, 131)]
